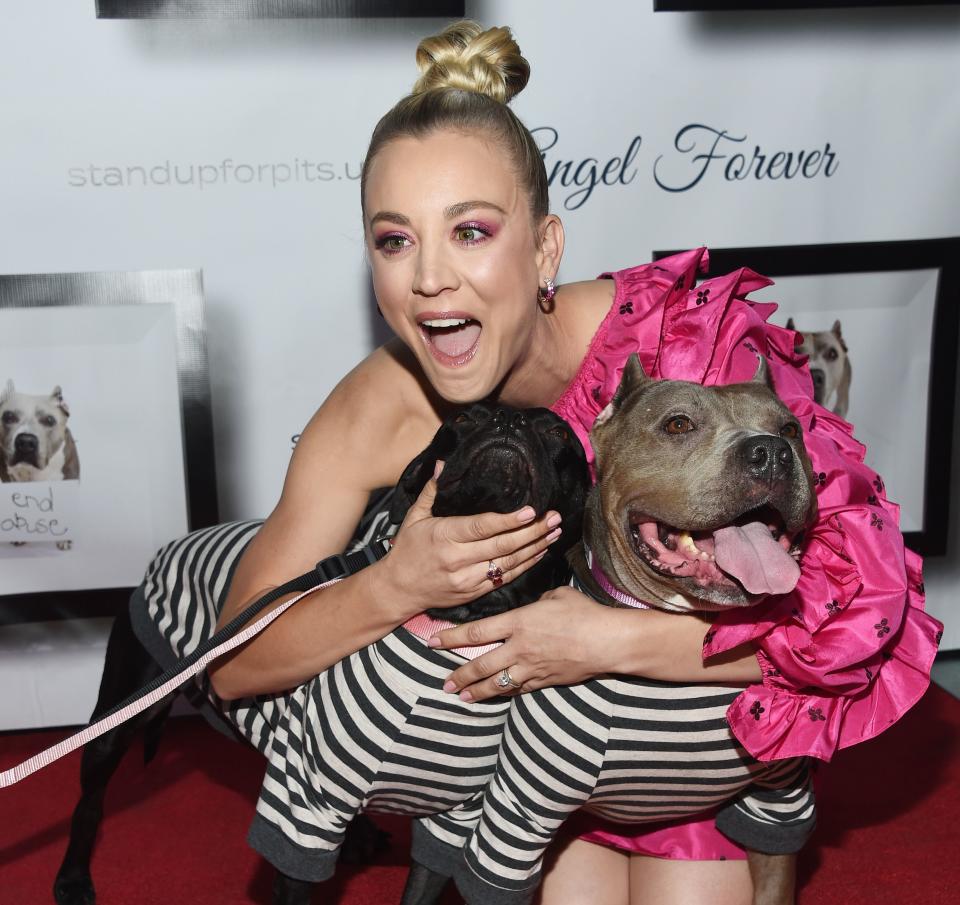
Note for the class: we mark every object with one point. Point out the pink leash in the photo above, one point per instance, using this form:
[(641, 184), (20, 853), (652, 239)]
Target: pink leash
[(422, 625), (111, 720)]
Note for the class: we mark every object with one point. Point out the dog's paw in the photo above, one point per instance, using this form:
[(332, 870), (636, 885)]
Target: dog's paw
[(74, 891), (363, 841)]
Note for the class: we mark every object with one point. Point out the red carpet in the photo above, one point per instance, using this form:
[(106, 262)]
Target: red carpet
[(889, 829)]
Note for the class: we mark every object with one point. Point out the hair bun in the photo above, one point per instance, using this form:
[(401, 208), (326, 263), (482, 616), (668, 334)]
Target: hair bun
[(467, 57)]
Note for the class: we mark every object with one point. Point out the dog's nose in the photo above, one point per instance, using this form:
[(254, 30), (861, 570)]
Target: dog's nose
[(819, 377), (768, 458), (26, 443)]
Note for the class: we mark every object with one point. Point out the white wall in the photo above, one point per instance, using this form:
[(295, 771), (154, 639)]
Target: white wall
[(288, 307)]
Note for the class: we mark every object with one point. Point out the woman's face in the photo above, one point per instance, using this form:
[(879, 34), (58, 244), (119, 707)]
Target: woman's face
[(454, 257)]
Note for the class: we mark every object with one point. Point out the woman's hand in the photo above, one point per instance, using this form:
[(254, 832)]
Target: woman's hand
[(441, 562), (562, 639), (565, 638)]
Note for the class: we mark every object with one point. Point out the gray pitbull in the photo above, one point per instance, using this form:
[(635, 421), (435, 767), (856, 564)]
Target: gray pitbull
[(702, 495), (829, 366), (35, 442)]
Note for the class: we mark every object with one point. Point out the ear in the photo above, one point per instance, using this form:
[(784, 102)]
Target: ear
[(835, 330), (57, 396), (790, 324), (632, 379), (550, 242), (412, 481), (762, 374), (419, 471), (7, 392)]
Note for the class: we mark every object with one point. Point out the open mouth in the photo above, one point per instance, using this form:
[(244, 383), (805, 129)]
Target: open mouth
[(753, 553), (451, 337)]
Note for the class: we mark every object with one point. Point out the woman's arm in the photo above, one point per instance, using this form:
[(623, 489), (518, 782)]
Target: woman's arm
[(362, 437), (566, 638)]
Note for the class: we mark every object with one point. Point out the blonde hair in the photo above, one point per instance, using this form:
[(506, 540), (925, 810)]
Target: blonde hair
[(468, 75)]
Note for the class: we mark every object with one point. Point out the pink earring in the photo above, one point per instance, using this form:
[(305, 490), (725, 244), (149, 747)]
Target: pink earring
[(545, 295)]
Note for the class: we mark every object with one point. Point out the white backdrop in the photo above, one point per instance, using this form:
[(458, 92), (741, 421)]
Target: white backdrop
[(235, 147)]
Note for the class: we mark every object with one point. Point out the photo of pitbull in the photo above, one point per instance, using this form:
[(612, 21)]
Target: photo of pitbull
[(35, 442), (701, 499), (829, 366)]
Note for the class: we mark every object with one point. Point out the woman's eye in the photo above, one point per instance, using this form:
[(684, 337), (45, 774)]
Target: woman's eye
[(470, 234), (678, 424), (790, 431), (392, 243)]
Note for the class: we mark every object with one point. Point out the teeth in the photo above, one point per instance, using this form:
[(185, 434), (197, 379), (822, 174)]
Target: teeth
[(446, 322), (685, 543)]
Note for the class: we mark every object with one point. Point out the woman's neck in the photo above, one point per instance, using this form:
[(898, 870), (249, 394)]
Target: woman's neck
[(558, 343)]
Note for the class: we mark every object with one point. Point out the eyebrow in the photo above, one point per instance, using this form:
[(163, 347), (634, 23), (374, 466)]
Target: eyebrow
[(450, 213)]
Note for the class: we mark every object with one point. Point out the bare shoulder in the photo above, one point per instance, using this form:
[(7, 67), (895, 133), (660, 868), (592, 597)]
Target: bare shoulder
[(374, 421), (582, 306)]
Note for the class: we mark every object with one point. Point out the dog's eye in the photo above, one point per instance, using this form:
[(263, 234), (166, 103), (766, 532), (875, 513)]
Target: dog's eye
[(790, 431), (832, 355), (9, 417), (48, 421), (678, 424), (560, 433), (462, 418)]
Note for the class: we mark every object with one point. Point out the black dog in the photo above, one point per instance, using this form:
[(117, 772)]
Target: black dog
[(497, 459)]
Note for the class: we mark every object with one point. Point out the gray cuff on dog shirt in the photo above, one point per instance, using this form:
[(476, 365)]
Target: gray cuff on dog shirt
[(312, 865)]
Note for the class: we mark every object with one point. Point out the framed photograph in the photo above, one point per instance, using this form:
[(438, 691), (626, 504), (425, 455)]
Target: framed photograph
[(676, 6), (277, 9), (880, 324), (106, 441)]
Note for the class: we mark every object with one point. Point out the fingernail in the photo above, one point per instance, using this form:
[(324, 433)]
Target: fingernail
[(434, 641), (525, 514), (553, 535), (540, 555), (466, 697), (553, 520), (449, 686), (437, 468)]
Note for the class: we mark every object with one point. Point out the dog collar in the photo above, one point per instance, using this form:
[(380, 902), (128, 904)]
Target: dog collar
[(608, 588)]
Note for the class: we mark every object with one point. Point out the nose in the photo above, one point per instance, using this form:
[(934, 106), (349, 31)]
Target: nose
[(433, 272), (26, 443), (503, 420), (819, 377), (767, 458)]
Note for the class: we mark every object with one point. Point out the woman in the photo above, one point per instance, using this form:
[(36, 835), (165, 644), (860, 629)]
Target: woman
[(463, 255)]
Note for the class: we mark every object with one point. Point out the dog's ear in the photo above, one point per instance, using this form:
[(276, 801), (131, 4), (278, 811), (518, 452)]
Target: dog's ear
[(7, 392), (835, 330), (790, 324), (419, 471), (762, 374), (57, 396), (632, 378)]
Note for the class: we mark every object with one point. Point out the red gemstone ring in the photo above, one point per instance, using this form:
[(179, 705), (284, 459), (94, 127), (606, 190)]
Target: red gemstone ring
[(495, 574)]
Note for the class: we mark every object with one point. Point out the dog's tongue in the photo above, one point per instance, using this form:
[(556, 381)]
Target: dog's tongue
[(455, 341), (751, 555)]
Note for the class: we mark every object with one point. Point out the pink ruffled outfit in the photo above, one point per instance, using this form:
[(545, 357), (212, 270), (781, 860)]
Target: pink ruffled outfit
[(849, 651)]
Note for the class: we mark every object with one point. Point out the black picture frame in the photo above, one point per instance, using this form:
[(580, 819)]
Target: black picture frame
[(278, 9), (940, 255), (184, 290)]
